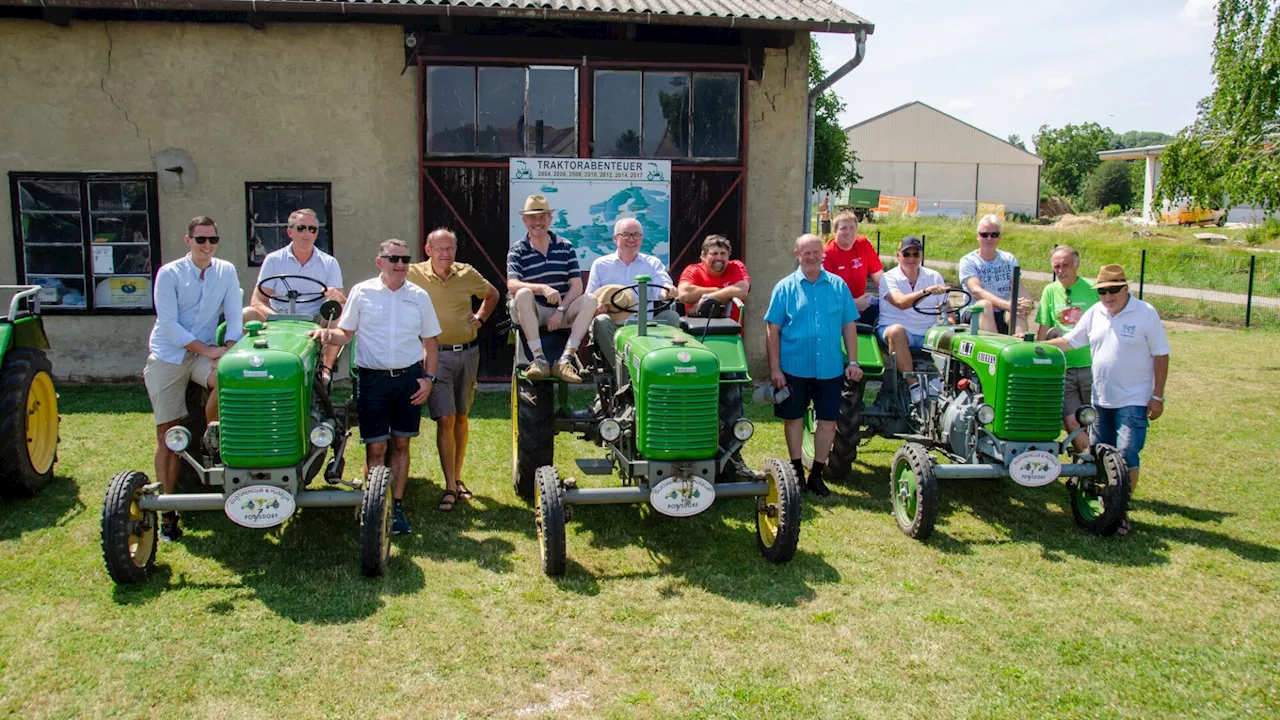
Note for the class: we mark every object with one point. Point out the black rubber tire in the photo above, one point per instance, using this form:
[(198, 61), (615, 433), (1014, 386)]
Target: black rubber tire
[(128, 561), (781, 478), (844, 451), (194, 421), (549, 519), (918, 524), (17, 476), (1111, 487), (533, 432), (375, 522)]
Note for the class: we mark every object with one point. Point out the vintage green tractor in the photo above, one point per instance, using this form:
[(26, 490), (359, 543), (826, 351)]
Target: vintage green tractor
[(277, 430), (670, 417), (28, 400)]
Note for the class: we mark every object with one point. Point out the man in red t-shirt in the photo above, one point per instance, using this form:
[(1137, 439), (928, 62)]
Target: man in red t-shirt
[(853, 258), (716, 277)]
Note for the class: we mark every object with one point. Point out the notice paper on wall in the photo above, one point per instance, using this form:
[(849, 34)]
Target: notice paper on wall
[(104, 261)]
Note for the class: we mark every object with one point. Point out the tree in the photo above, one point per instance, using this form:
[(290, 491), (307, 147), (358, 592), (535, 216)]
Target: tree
[(1016, 141), (832, 159), (1071, 153), (1140, 138), (1231, 147), (1109, 184)]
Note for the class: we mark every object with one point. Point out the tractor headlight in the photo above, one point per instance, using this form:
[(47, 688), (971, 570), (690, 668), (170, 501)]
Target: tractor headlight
[(322, 435), (177, 438), (1086, 415), (986, 414), (743, 430), (610, 430)]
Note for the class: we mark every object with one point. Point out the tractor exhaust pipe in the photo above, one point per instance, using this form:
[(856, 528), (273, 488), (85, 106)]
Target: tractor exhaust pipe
[(1012, 320), (642, 304)]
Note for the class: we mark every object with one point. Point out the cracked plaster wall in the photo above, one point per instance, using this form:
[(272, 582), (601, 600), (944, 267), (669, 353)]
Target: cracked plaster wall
[(294, 102)]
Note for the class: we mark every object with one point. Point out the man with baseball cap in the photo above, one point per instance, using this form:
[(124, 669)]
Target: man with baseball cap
[(545, 283), (1130, 365), (900, 327)]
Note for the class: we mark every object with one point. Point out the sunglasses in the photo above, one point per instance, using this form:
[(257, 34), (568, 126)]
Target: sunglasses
[(306, 228), (1111, 290), (913, 253), (202, 239), (397, 258), (989, 235)]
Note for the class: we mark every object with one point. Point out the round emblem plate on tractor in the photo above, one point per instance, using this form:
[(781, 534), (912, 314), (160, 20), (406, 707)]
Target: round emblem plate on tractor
[(259, 506), (682, 497), (1035, 468)]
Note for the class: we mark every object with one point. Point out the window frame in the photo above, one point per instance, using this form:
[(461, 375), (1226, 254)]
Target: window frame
[(475, 67), (249, 187), (83, 179), (691, 72)]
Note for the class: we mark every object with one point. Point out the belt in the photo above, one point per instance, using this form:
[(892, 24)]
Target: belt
[(392, 373), (460, 347)]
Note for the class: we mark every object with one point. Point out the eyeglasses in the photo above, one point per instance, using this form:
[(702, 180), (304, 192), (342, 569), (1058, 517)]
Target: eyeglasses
[(913, 253), (306, 228), (202, 239), (986, 235), (1111, 290), (406, 259), (631, 235), (443, 250)]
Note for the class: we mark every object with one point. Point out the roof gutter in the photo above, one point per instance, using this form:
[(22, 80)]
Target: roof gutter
[(814, 94)]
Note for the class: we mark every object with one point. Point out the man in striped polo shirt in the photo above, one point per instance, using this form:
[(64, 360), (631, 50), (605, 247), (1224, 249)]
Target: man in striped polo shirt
[(545, 283)]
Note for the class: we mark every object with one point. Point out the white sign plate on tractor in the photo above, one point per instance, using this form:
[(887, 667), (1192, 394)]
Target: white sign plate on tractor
[(682, 497), (259, 506), (1035, 468)]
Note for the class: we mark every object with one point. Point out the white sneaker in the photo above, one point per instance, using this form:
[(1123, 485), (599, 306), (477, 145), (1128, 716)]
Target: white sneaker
[(917, 394)]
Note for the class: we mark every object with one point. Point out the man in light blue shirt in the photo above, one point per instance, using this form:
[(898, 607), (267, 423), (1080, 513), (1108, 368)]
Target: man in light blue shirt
[(810, 311), (620, 268), (190, 293)]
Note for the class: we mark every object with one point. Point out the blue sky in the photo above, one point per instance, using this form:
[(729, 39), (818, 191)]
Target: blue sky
[(1010, 66)]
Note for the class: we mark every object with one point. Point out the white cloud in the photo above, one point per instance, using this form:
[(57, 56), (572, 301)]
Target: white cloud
[(1058, 84), (1019, 93), (1199, 12), (960, 104)]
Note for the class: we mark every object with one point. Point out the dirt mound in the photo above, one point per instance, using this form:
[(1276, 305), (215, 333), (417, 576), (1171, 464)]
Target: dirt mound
[(1053, 206), (1072, 221)]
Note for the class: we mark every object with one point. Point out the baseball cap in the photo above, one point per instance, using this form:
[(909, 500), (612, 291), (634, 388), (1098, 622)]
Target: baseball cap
[(910, 241)]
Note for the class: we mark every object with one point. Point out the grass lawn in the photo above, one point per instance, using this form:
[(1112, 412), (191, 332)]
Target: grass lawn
[(1008, 611)]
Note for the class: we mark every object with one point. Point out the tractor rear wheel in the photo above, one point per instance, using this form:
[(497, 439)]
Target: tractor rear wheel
[(549, 516), (129, 533), (844, 451), (914, 490), (28, 423), (1099, 504), (778, 513), (533, 432), (375, 522)]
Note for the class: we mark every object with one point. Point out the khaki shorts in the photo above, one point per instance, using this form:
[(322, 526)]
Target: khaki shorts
[(167, 384), (586, 300), (455, 386), (1077, 390)]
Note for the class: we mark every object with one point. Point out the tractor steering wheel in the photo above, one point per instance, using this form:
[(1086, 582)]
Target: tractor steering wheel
[(658, 305), (292, 296), (956, 299)]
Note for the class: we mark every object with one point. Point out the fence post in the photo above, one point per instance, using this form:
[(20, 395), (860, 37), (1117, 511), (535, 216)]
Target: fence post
[(923, 237), (1248, 300), (1142, 274), (877, 242)]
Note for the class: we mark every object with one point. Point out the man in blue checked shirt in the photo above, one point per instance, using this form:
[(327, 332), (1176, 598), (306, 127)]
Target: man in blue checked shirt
[(190, 293), (810, 311)]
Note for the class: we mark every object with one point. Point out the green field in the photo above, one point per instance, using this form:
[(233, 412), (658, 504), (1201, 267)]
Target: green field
[(1009, 611)]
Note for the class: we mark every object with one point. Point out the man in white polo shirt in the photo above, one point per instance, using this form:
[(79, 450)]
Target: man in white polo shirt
[(1130, 365), (621, 268), (299, 257), (397, 356), (899, 326)]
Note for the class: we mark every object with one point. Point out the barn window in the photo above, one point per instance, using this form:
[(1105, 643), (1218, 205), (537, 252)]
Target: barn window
[(530, 110), (271, 204), (684, 115)]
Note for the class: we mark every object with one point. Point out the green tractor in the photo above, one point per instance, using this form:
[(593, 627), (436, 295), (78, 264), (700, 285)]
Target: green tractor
[(278, 429), (28, 399), (670, 417)]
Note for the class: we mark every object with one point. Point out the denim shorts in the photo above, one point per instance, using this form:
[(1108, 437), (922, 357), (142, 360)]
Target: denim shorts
[(1125, 428), (914, 341)]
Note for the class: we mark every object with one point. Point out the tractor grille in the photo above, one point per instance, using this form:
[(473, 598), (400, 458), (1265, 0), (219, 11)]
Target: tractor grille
[(258, 426), (1033, 405), (683, 420)]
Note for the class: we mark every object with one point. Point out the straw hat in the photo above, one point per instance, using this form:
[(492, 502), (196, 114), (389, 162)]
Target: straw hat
[(626, 298), (1111, 276), (536, 205)]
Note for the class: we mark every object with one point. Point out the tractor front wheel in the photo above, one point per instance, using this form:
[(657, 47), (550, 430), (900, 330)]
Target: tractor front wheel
[(375, 522), (532, 432), (549, 515), (128, 532), (778, 513), (1099, 504), (914, 490), (28, 422)]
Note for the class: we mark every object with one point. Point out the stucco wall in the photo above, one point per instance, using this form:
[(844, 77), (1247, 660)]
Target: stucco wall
[(890, 178), (1017, 186), (297, 102), (777, 107)]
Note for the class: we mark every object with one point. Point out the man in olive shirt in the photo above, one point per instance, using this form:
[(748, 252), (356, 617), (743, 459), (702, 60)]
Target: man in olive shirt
[(451, 286), (1062, 304)]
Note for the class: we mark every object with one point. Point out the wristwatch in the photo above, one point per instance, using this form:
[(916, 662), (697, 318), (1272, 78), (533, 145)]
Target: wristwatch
[(1157, 397), (561, 308), (430, 377), (853, 363)]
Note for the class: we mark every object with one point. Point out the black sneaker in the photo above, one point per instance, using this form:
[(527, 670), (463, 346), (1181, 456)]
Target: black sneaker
[(169, 528), (817, 486)]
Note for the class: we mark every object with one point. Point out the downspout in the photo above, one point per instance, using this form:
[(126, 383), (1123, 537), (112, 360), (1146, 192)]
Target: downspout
[(822, 87)]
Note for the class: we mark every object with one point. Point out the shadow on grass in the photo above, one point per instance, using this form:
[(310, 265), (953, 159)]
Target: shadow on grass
[(55, 506)]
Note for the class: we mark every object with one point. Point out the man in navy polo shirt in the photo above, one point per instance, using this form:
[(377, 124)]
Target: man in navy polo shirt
[(810, 312)]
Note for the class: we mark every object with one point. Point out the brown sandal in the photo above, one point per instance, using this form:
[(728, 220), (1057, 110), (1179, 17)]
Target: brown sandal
[(448, 499), (464, 493)]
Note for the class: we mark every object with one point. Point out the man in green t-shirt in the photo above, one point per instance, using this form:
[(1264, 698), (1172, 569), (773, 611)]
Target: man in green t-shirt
[(1062, 304)]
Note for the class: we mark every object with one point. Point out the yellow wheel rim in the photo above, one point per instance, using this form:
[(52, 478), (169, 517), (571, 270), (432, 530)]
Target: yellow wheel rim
[(767, 522), (140, 540), (515, 461), (42, 423)]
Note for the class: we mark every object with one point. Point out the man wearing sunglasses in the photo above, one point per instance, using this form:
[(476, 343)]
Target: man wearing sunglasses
[(988, 273), (1130, 353), (189, 295), (900, 327), (1062, 303), (397, 356), (299, 257)]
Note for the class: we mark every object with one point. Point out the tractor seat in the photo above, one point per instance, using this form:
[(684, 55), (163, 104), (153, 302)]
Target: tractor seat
[(865, 329), (717, 326)]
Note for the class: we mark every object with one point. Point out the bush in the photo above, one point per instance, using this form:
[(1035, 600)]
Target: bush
[(1262, 234), (1112, 210), (1108, 185)]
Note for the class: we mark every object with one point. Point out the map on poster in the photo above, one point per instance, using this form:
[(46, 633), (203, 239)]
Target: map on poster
[(588, 195)]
